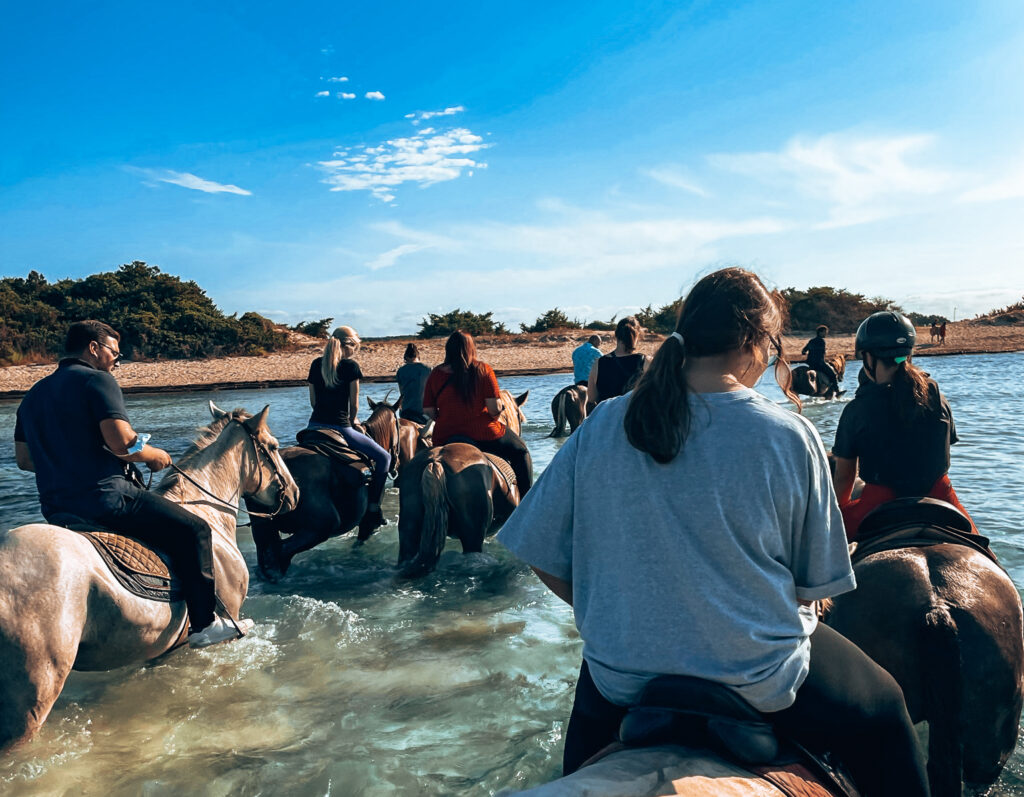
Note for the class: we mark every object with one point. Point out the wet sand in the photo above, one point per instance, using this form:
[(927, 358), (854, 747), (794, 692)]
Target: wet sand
[(519, 355)]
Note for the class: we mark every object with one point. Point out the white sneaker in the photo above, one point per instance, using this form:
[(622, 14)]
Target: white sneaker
[(220, 630)]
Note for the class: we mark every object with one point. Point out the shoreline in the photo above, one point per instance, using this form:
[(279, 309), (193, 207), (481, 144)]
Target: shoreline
[(534, 355)]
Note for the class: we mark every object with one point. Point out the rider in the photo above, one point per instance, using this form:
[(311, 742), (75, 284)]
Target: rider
[(616, 372), (713, 573), (898, 428), (583, 358), (815, 351), (72, 430), (412, 378), (463, 398), (334, 396)]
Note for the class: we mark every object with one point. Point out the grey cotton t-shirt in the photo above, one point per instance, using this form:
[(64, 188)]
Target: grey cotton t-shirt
[(693, 567)]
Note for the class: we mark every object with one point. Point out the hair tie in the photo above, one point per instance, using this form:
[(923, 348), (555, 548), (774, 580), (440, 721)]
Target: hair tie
[(678, 337)]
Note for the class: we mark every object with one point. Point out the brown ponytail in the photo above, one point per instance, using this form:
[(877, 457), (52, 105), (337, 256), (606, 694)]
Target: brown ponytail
[(910, 388), (726, 310)]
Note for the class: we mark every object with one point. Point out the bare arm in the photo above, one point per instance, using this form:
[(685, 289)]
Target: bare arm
[(353, 401), (493, 407), (119, 436), (592, 397), (23, 456), (561, 589), (845, 475)]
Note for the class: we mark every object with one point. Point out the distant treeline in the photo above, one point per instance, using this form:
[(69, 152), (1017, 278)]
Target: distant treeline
[(158, 316)]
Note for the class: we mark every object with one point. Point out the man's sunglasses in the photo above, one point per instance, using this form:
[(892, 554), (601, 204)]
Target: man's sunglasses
[(117, 355)]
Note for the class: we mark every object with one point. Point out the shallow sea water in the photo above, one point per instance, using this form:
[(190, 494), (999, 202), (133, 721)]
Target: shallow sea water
[(358, 683)]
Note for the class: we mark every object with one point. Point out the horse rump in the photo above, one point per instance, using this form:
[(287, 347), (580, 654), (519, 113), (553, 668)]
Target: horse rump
[(434, 528)]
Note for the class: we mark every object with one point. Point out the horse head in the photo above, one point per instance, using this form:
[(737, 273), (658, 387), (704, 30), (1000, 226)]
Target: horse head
[(384, 427), (512, 414)]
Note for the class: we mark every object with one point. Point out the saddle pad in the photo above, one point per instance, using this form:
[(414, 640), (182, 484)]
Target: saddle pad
[(331, 444), (136, 567), (503, 468), (918, 536)]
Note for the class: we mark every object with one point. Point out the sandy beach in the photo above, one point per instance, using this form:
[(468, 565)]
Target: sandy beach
[(509, 355)]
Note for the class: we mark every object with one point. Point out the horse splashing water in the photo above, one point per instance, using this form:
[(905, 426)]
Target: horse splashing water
[(61, 607), (568, 408)]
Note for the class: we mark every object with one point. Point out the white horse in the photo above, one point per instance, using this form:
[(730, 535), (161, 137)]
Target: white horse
[(61, 608)]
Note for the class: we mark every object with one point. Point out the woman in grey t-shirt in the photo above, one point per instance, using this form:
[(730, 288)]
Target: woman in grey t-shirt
[(710, 569)]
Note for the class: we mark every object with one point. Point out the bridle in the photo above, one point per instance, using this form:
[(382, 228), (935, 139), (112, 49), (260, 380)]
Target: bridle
[(260, 449)]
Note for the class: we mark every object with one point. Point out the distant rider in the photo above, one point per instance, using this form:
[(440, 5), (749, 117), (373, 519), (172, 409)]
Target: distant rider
[(815, 351), (72, 430), (334, 395), (463, 398), (583, 358), (616, 372), (412, 378), (897, 430)]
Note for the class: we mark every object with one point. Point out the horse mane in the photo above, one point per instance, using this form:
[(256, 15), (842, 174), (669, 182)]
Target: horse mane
[(204, 436)]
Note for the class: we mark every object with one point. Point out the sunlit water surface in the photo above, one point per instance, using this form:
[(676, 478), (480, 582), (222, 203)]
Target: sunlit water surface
[(355, 682)]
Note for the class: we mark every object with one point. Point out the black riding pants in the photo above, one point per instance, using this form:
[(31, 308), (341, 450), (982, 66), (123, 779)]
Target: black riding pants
[(512, 449), (186, 538), (847, 705)]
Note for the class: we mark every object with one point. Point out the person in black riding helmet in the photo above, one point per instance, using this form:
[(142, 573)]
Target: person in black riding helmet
[(898, 428), (815, 351)]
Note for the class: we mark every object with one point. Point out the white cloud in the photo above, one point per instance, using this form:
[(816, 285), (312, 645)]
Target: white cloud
[(670, 176), (337, 80), (186, 180), (426, 157), (1010, 186), (374, 95), (389, 258), (323, 94), (863, 178), (344, 95), (423, 115)]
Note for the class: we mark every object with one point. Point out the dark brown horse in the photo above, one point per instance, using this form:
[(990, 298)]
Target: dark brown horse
[(808, 382), (945, 620), (568, 407), (333, 499), (454, 491)]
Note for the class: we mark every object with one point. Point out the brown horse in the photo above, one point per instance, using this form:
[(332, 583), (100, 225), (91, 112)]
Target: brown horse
[(400, 436), (61, 608), (454, 491), (807, 381), (569, 406), (945, 620)]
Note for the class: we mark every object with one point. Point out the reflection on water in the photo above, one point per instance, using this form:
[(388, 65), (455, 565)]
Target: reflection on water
[(355, 682)]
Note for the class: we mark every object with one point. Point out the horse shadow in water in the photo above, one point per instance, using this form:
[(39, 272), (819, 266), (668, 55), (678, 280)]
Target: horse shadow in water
[(568, 408), (945, 620), (457, 491), (809, 382), (332, 500)]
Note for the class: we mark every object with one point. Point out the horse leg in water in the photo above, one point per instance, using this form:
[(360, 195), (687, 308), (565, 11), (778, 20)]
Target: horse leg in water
[(472, 507)]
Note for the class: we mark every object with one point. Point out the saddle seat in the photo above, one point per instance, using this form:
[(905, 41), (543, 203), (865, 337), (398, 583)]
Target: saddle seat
[(916, 522), (139, 568), (693, 712), (357, 467)]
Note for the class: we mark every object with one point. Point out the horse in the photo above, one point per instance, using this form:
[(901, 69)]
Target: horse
[(569, 406), (946, 621), (935, 333), (401, 437), (61, 607), (332, 499), (807, 381), (455, 490)]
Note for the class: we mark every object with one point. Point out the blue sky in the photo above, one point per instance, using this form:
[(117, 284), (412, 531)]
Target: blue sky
[(377, 162)]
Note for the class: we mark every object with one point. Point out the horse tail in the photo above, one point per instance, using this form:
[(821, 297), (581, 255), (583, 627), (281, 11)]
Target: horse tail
[(942, 695), (436, 506), (560, 420)]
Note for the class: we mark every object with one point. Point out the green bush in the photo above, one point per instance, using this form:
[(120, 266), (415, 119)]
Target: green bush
[(836, 308), (436, 326), (315, 329), (552, 319)]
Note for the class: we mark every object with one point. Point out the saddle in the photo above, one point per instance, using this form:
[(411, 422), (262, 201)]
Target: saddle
[(678, 709), (502, 466), (141, 570), (331, 444), (916, 523)]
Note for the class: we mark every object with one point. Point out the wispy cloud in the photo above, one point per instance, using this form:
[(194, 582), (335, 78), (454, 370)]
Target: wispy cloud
[(187, 180), (390, 257), (323, 94), (425, 158), (862, 178), (344, 95), (420, 116), (336, 79), (671, 176), (374, 95), (1009, 186)]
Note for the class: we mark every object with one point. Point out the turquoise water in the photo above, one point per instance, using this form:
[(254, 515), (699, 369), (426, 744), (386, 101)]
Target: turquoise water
[(355, 682)]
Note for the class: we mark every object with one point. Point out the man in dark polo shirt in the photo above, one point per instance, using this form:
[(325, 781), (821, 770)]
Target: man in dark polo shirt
[(72, 431)]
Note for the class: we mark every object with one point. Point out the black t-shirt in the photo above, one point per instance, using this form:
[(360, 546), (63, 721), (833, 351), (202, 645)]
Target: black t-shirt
[(331, 404), (815, 349), (616, 375), (59, 421), (907, 457)]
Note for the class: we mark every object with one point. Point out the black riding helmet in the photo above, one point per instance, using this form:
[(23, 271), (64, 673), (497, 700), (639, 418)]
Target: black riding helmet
[(886, 334)]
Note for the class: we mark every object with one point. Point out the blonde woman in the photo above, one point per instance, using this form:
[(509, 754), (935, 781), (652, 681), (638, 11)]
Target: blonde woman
[(334, 395)]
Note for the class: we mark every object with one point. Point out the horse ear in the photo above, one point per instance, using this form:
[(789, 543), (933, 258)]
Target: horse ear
[(217, 412), (521, 400), (258, 421), (398, 404), (371, 403)]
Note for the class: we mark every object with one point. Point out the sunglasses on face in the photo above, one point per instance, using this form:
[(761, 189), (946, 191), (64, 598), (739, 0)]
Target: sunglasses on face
[(117, 355)]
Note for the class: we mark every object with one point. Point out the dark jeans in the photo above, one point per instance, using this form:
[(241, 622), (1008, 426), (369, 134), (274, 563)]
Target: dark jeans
[(511, 448), (847, 704), (413, 415), (184, 537), (825, 368)]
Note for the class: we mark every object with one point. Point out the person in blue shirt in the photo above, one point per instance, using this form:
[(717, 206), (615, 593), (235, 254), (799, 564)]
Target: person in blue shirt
[(583, 357), (412, 378)]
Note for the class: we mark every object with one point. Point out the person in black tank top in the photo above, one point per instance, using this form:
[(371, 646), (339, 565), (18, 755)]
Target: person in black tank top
[(616, 373)]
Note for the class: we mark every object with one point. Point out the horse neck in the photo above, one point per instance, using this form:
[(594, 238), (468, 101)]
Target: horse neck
[(509, 414), (217, 469)]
